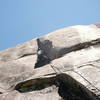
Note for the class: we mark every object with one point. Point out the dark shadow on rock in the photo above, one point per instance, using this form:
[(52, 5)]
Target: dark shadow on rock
[(55, 52), (42, 60), (43, 57), (68, 88), (34, 84)]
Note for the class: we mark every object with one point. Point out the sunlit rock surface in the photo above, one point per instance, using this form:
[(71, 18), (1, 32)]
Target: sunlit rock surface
[(62, 65)]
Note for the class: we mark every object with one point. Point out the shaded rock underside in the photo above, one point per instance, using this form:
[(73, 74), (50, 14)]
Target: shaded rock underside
[(68, 88)]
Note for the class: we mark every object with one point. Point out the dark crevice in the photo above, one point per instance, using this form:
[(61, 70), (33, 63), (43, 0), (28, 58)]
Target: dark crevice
[(42, 60), (68, 88), (79, 46), (46, 46), (42, 57), (34, 85), (24, 55), (50, 74)]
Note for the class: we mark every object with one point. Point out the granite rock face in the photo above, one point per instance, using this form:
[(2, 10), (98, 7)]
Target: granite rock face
[(62, 65)]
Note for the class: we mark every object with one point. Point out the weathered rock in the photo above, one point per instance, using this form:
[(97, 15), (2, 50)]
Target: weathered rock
[(63, 65)]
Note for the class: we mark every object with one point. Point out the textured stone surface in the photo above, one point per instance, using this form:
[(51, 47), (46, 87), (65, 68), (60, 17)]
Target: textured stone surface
[(62, 65)]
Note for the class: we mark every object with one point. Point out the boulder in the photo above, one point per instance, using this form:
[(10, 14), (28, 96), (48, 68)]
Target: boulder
[(62, 65)]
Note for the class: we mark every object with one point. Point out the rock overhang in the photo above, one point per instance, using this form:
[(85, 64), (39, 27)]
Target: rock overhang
[(73, 50)]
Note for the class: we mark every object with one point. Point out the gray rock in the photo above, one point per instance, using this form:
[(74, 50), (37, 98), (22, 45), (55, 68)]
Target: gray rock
[(62, 65)]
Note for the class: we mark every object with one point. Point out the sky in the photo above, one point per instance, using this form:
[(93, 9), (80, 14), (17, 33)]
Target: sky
[(23, 20)]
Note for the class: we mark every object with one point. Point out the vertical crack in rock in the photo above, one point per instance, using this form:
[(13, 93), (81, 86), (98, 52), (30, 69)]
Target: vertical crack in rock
[(42, 56)]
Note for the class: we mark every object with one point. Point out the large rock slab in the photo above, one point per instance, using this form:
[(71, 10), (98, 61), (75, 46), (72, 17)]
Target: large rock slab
[(62, 65)]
